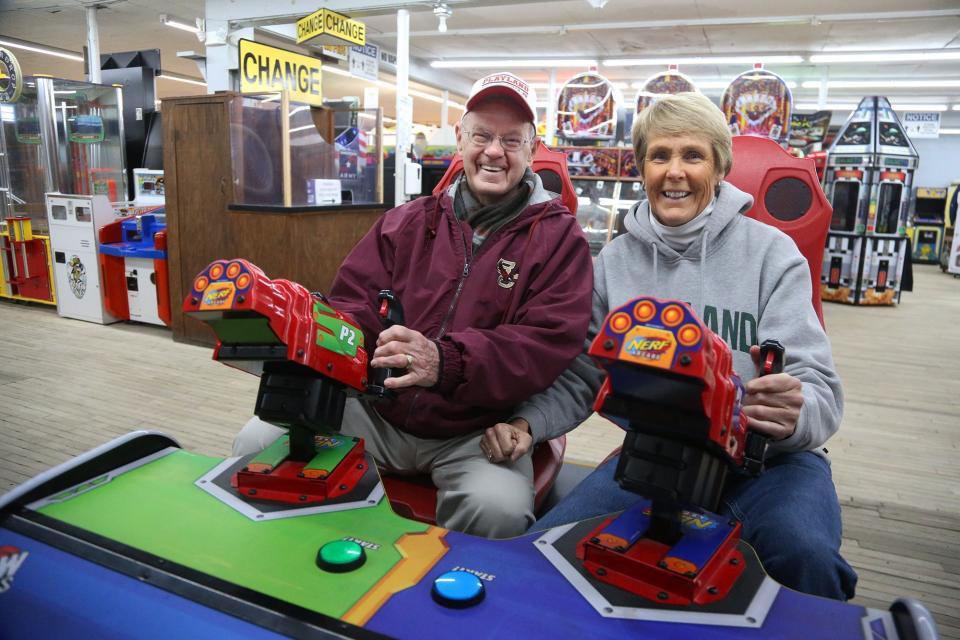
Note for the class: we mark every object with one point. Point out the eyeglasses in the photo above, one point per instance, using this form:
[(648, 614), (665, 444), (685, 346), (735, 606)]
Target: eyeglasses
[(510, 142)]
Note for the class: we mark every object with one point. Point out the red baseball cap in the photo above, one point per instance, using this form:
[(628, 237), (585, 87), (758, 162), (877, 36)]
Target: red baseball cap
[(508, 86)]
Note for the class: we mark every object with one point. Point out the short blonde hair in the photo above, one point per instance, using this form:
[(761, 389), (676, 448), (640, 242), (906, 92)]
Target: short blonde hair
[(684, 114)]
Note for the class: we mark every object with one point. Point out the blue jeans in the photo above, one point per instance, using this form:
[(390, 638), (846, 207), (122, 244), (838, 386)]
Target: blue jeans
[(790, 515)]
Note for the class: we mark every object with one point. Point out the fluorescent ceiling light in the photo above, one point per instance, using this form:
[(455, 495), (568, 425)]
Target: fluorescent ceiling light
[(898, 106), (888, 56), (883, 84), (950, 132), (199, 83), (956, 107), (547, 63), (177, 23), (830, 106), (41, 49), (662, 62), (842, 106)]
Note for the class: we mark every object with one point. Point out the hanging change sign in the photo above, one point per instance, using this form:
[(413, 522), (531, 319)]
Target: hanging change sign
[(265, 69)]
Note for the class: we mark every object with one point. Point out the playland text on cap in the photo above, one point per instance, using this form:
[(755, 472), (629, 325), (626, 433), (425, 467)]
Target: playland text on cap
[(507, 85)]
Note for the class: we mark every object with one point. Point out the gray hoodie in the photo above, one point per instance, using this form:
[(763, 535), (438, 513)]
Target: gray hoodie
[(746, 280)]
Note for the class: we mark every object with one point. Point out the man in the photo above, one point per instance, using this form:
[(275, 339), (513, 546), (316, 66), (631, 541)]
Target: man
[(495, 278)]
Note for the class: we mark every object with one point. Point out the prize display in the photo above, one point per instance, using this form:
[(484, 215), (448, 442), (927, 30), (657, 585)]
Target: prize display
[(663, 83), (587, 108), (758, 103), (868, 180)]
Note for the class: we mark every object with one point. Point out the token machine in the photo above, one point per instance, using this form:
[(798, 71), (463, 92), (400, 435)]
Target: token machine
[(868, 181), (141, 537)]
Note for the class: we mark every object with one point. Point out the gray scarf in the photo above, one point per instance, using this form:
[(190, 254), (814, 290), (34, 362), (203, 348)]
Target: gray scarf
[(486, 219)]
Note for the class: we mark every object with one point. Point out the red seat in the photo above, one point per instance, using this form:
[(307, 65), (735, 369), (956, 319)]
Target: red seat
[(787, 195), (415, 496), (550, 165)]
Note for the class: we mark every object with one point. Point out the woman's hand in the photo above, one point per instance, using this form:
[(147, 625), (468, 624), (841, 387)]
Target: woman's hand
[(772, 403)]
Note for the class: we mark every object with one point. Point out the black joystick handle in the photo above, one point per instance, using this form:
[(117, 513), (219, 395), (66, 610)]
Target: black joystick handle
[(755, 447), (391, 313)]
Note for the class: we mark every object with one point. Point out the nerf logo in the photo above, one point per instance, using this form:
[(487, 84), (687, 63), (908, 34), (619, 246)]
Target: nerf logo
[(10, 560), (647, 348), (217, 297), (506, 78)]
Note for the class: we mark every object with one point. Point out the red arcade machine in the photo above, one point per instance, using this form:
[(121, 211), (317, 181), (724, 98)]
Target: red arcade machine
[(133, 258), (26, 266)]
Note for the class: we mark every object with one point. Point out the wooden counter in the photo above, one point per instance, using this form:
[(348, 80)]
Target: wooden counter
[(301, 244)]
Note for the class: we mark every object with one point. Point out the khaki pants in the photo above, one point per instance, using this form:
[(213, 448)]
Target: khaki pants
[(474, 495)]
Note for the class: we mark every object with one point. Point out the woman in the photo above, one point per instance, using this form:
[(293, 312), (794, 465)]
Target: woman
[(748, 282)]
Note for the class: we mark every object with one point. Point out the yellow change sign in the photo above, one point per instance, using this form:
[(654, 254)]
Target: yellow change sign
[(265, 68), (339, 27)]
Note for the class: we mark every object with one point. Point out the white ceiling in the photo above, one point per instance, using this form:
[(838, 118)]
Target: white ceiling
[(498, 29)]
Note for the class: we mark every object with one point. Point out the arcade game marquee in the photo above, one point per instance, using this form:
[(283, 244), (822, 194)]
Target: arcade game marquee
[(141, 538)]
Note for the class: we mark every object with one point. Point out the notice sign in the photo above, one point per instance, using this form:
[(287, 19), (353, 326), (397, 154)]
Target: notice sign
[(336, 26), (365, 61), (265, 69), (922, 124)]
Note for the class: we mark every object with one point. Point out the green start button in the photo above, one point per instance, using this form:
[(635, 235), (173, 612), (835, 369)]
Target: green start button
[(341, 556)]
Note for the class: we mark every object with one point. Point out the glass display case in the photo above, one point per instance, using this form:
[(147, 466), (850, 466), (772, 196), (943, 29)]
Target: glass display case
[(60, 136), (312, 157)]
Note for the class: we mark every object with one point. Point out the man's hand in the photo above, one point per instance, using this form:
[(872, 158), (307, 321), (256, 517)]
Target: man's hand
[(401, 348), (772, 403), (506, 441)]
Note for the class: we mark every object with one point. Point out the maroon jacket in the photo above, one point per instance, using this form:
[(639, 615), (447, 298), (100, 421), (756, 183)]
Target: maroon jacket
[(505, 331)]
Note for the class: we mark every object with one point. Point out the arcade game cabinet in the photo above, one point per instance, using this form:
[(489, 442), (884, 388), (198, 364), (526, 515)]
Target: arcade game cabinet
[(868, 181), (758, 103), (950, 258), (926, 233), (139, 537), (26, 267)]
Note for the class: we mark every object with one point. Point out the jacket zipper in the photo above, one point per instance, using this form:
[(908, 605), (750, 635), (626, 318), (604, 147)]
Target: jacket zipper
[(449, 314)]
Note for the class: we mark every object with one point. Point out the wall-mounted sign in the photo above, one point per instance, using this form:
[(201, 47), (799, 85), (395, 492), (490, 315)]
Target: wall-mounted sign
[(922, 124), (11, 80), (264, 68), (364, 61), (336, 26)]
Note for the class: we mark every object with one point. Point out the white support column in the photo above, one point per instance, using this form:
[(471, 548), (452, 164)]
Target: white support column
[(822, 89), (93, 46), (404, 104), (444, 110), (551, 108)]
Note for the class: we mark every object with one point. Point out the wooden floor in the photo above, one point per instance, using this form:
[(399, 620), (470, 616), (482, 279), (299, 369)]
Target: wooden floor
[(67, 385)]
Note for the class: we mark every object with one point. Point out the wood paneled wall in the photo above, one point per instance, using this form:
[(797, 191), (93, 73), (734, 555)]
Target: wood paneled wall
[(303, 246)]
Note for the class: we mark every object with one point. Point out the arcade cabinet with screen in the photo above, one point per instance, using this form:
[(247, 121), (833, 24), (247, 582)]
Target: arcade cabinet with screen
[(868, 181), (926, 233)]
